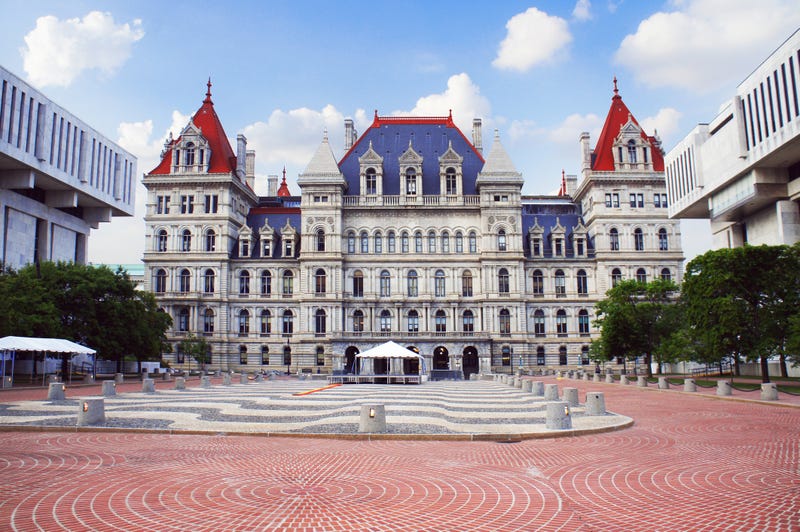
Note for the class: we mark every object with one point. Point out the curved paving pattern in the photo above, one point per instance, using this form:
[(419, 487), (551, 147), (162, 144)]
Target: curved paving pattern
[(689, 463)]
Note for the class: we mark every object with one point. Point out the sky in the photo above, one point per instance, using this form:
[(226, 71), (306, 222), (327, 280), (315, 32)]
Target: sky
[(285, 72)]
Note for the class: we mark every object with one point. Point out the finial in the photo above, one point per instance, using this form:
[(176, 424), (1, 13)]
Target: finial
[(284, 173), (616, 90), (325, 134), (376, 114), (496, 133), (208, 92)]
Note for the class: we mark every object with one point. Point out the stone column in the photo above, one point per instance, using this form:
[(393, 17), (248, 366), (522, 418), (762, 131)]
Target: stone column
[(595, 404), (723, 388), (148, 386), (537, 388), (226, 379), (663, 384), (551, 392), (55, 391), (109, 388), (372, 419), (609, 378), (641, 381), (769, 391), (527, 385), (558, 416), (243, 378), (689, 385), (570, 396), (91, 411), (180, 383)]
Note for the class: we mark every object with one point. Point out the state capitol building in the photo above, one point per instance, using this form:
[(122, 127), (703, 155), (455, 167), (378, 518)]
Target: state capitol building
[(415, 234)]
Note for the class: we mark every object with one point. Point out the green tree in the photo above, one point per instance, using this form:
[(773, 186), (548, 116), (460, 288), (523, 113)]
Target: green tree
[(197, 348)]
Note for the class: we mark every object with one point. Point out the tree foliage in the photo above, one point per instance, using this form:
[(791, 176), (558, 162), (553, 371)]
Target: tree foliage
[(197, 348)]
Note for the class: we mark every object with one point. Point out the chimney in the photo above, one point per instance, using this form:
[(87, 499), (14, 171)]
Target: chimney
[(250, 168), (572, 185), (586, 154), (349, 134), (241, 156), (272, 185), (477, 134)]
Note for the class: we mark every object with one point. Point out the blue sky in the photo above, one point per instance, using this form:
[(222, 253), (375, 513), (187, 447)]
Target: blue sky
[(283, 72)]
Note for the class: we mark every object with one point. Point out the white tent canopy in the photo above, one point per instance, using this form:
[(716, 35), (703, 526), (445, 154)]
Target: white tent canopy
[(50, 345), (389, 350)]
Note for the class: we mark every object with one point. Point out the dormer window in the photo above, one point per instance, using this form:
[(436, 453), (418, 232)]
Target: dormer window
[(245, 247), (371, 182), (266, 247), (288, 247), (632, 155), (411, 182), (451, 185), (188, 154)]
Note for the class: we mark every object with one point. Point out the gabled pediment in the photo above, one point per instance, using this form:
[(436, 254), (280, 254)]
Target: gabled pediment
[(629, 130), (410, 156), (580, 229), (536, 229), (288, 229), (370, 157), (450, 156), (558, 229), (245, 232), (266, 230), (191, 132)]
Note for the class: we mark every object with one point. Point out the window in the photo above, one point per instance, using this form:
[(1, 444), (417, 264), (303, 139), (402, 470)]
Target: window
[(390, 242), (640, 200), (287, 356), (320, 321), (364, 242), (351, 242), (585, 349), (358, 321), (404, 242), (411, 182), (466, 284), (468, 322), (288, 283), (385, 284), (320, 355), (264, 355), (418, 242), (184, 280), (538, 283), (505, 321), (505, 354), (188, 154), (266, 283), (386, 321), (641, 275), (320, 281), (358, 284), (320, 199), (540, 356), (413, 321), (632, 158), (663, 201), (656, 201), (608, 200), (459, 242), (501, 240), (558, 247), (412, 282), (378, 243), (537, 247), (320, 240), (613, 236), (186, 240), (561, 286), (288, 246), (440, 321), (615, 200), (162, 204), (445, 242), (579, 247), (244, 247), (633, 200), (211, 240), (473, 242), (244, 322), (583, 322), (160, 281), (438, 282), (371, 182), (638, 239), (582, 282), (538, 323), (211, 203), (666, 275), (208, 281), (244, 282), (431, 242), (616, 277), (502, 281), (266, 248), (288, 322), (265, 322), (208, 321), (450, 183), (663, 240), (187, 204), (161, 241), (562, 355), (183, 319), (561, 323)]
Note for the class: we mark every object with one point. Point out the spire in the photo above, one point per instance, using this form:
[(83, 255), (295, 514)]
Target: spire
[(208, 92), (563, 190), (616, 90), (283, 191)]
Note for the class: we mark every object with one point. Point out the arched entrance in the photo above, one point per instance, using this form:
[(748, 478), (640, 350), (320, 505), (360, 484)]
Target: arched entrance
[(441, 358), (470, 362), (350, 359), (411, 365)]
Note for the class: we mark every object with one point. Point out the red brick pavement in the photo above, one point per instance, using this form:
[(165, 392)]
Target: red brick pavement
[(689, 463)]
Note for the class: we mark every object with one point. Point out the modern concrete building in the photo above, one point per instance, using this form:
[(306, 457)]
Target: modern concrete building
[(59, 178), (414, 234), (741, 169)]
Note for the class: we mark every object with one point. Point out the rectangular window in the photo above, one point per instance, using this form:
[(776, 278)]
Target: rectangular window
[(633, 200), (211, 203), (657, 201), (615, 200), (640, 200), (608, 200), (664, 201), (320, 199)]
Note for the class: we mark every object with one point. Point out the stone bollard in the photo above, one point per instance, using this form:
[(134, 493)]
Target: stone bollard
[(205, 381), (226, 379), (91, 411), (641, 382), (586, 376), (558, 416), (258, 377), (271, 377), (166, 377), (769, 391), (623, 379), (373, 418), (180, 383), (109, 388), (119, 378), (148, 386), (596, 377), (88, 379), (689, 385), (527, 385), (243, 378), (595, 404), (663, 384), (570, 396), (551, 392), (55, 392), (52, 378), (610, 378), (559, 375), (518, 382), (537, 388), (723, 388)]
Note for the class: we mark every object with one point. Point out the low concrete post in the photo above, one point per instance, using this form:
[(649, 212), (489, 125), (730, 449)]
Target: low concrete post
[(258, 377), (226, 379), (663, 384), (596, 377), (623, 379), (586, 376), (52, 378), (769, 391), (559, 375), (551, 392), (527, 385), (517, 382), (689, 385), (109, 388), (372, 419), (205, 381), (88, 379), (558, 416), (91, 411), (243, 378), (570, 396), (166, 376), (148, 386), (610, 378), (180, 383), (55, 391), (271, 377), (641, 381), (595, 404), (723, 388), (537, 388), (119, 378)]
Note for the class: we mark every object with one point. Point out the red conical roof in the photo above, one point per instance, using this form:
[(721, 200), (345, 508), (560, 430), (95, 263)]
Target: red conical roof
[(617, 117), (223, 160), (283, 190)]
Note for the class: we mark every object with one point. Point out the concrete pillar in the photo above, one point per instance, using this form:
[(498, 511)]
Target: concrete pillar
[(586, 376), (527, 385), (663, 384), (641, 381), (271, 377), (55, 392), (205, 381), (769, 391), (180, 383), (166, 377), (119, 378), (517, 382), (372, 419), (558, 416), (558, 375), (609, 378), (226, 379), (570, 395), (243, 378), (689, 385), (623, 379), (595, 404), (537, 388), (52, 378), (551, 392), (148, 386), (723, 388), (109, 388), (88, 379), (596, 377), (258, 377), (91, 411)]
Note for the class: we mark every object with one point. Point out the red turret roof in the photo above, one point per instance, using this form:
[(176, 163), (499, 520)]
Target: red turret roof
[(283, 190), (223, 160), (618, 116)]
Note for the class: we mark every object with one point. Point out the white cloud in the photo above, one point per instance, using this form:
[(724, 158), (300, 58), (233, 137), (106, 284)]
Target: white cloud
[(461, 96), (582, 10), (57, 51), (533, 38), (704, 44), (665, 122), (569, 131)]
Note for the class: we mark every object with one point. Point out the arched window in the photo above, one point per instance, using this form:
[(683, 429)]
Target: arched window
[(445, 242), (412, 283), (502, 281), (208, 322), (386, 321), (583, 322), (613, 236), (466, 284), (265, 322), (385, 284), (440, 321), (378, 243), (641, 275), (459, 242), (561, 322), (266, 283), (632, 158), (186, 240), (468, 322), (638, 239), (404, 242), (666, 275), (473, 242), (184, 280), (358, 284), (538, 282), (320, 281), (358, 321), (211, 240), (390, 242), (582, 282), (411, 182), (371, 181), (438, 284), (538, 323), (288, 283), (183, 319), (320, 322), (320, 240), (505, 321), (351, 242), (431, 242), (244, 282), (364, 242), (418, 242), (663, 240), (616, 277), (561, 283), (501, 240), (160, 281), (288, 322), (450, 183), (413, 321), (208, 281), (244, 322), (188, 154), (161, 241)]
